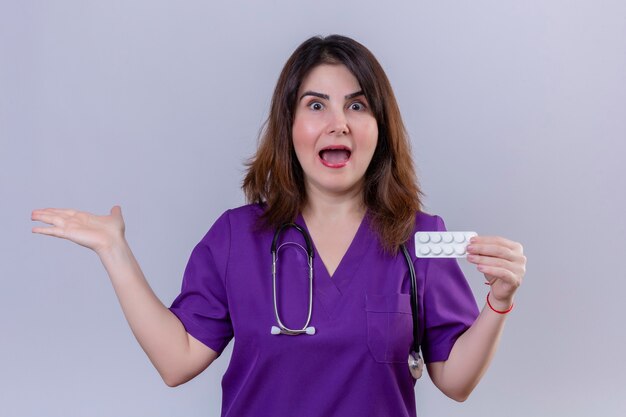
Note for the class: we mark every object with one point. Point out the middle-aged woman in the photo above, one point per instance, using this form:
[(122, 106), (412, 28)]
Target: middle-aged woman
[(334, 159)]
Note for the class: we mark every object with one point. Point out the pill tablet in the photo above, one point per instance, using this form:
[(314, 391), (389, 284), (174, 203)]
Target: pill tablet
[(442, 244)]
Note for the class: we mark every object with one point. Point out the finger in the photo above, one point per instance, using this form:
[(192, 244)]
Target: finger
[(41, 211), (62, 211), (53, 219), (515, 264), (498, 240), (50, 231), (54, 211), (49, 209), (488, 260), (493, 272), (496, 251), (515, 269)]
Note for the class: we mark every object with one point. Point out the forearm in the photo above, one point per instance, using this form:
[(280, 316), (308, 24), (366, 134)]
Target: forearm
[(471, 355), (159, 332)]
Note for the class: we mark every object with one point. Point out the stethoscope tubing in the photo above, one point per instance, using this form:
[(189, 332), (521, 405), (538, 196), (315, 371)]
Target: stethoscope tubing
[(415, 360), (282, 329), (414, 302)]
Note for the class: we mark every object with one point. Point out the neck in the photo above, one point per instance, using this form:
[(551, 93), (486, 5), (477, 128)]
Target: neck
[(331, 208)]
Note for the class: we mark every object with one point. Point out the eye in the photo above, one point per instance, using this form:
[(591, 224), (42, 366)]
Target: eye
[(316, 105), (358, 106)]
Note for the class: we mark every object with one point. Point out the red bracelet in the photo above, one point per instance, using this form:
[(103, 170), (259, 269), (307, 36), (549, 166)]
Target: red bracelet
[(498, 311)]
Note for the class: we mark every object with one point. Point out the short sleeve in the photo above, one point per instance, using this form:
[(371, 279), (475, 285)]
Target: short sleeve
[(449, 305), (202, 305)]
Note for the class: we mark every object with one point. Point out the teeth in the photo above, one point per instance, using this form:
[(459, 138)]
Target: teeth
[(335, 156)]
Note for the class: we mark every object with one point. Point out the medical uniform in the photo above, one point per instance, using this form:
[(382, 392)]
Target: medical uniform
[(356, 363)]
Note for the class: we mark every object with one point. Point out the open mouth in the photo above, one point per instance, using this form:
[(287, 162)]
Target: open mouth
[(335, 156)]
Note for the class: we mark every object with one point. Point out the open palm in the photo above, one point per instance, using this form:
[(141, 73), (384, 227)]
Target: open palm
[(89, 230)]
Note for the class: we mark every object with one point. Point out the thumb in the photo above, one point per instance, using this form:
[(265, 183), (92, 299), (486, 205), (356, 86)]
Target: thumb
[(116, 211)]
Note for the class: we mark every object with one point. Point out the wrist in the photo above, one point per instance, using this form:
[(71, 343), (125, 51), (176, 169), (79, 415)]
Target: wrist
[(499, 306), (113, 248)]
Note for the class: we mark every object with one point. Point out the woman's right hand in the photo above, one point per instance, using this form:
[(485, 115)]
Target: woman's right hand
[(99, 233)]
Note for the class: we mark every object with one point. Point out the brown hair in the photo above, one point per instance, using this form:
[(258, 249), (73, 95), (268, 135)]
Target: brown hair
[(275, 178)]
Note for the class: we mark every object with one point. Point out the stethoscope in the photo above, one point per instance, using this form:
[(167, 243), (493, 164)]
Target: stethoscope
[(416, 364)]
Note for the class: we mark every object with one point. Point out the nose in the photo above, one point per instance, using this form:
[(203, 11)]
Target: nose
[(338, 123)]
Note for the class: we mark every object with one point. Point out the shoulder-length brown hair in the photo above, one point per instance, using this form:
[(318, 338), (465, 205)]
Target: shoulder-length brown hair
[(275, 178)]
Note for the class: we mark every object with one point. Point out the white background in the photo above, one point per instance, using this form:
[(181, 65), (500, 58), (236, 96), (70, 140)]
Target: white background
[(517, 115)]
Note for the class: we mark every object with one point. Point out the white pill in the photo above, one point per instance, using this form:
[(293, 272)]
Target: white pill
[(423, 237), (435, 237), (436, 249), (447, 237), (424, 250)]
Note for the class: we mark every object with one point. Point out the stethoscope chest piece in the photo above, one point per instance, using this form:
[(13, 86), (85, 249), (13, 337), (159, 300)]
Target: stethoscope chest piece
[(416, 365)]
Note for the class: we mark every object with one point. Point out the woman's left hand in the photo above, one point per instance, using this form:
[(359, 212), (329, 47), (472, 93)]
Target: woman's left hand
[(503, 263)]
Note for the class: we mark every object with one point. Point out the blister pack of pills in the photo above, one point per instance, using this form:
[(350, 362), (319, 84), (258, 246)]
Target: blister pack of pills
[(442, 244)]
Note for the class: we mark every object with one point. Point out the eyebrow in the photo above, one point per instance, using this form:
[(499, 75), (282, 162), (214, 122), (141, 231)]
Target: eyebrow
[(327, 97)]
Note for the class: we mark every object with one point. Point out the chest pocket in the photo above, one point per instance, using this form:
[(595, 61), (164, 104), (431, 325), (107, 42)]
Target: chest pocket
[(389, 326)]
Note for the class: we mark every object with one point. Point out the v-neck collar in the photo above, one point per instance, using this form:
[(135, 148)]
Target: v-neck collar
[(330, 289)]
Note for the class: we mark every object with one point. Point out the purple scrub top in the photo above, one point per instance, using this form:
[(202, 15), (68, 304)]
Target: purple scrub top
[(356, 363)]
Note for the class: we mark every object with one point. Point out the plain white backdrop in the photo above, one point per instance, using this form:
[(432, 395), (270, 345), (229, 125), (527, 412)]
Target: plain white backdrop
[(517, 115)]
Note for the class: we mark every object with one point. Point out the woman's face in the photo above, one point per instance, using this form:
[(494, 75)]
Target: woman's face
[(334, 131)]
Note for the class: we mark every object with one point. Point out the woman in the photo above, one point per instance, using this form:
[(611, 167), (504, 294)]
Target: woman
[(335, 160)]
